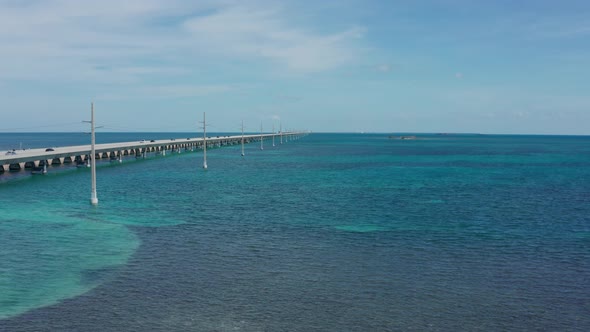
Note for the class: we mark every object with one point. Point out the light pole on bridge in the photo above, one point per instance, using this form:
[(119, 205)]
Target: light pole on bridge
[(204, 142), (243, 138), (93, 195), (261, 138)]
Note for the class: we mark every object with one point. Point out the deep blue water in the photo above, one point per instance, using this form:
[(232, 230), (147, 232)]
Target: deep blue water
[(332, 232)]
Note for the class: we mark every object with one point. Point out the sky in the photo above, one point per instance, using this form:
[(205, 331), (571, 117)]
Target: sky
[(496, 67)]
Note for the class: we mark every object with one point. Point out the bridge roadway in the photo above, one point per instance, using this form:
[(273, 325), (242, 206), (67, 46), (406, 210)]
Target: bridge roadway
[(71, 154)]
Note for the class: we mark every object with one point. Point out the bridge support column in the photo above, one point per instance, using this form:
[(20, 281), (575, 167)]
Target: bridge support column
[(16, 167)]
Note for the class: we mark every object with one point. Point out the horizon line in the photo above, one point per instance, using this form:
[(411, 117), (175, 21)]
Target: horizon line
[(442, 133)]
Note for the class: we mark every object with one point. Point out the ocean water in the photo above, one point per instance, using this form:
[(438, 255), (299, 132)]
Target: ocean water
[(332, 232)]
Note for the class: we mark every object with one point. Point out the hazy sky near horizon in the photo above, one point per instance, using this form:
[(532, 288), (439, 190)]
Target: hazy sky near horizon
[(344, 65)]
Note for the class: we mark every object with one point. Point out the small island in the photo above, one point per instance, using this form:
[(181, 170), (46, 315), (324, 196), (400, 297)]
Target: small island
[(402, 137)]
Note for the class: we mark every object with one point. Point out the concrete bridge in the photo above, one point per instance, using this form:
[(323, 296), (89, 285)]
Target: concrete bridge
[(28, 159)]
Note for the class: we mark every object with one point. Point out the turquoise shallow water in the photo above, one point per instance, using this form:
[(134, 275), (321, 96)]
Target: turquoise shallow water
[(338, 232)]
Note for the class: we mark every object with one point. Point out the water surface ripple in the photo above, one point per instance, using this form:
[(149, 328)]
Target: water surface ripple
[(334, 232)]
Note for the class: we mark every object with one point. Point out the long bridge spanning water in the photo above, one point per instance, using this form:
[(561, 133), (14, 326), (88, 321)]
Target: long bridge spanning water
[(17, 160)]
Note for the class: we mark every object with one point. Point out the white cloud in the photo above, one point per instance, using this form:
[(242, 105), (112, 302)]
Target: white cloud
[(184, 90), (264, 33), (556, 27), (384, 68), (288, 98), (68, 40), (167, 91)]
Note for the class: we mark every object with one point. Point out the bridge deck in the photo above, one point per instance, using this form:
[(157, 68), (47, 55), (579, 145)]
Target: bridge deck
[(32, 155)]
